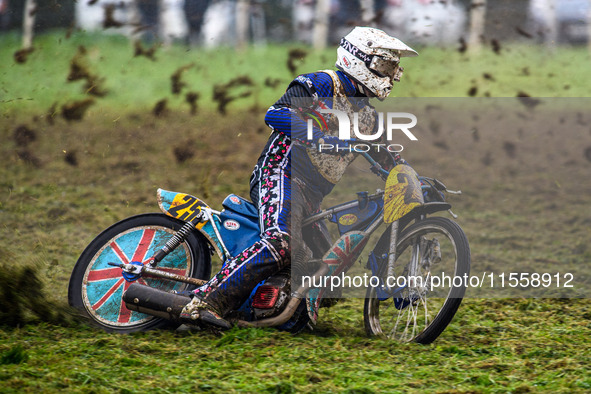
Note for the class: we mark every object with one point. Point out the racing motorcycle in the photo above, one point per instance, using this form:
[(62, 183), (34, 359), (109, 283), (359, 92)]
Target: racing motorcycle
[(135, 275)]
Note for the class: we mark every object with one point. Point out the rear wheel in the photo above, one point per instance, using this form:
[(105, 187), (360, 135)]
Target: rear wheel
[(96, 288), (420, 301)]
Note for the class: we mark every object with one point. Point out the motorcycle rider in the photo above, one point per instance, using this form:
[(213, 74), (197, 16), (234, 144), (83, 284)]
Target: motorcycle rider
[(292, 176)]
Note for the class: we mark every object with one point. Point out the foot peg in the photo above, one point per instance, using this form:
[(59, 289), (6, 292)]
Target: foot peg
[(197, 311)]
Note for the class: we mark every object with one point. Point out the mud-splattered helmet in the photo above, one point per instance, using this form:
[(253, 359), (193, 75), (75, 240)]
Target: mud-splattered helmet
[(372, 58)]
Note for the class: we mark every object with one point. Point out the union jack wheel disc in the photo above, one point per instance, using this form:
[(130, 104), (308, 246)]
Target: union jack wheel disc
[(104, 285)]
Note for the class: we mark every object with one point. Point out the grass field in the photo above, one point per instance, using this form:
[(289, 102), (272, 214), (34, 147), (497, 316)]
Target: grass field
[(119, 70), (525, 207)]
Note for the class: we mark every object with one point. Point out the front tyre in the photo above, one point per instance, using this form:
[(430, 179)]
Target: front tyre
[(418, 305), (96, 288)]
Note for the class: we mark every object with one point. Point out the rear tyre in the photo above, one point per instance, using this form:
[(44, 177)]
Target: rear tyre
[(419, 306), (96, 288)]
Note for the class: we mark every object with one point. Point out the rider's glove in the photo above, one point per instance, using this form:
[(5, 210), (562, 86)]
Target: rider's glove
[(399, 160)]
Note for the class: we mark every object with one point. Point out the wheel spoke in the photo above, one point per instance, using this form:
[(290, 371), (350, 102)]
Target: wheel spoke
[(427, 322), (426, 249), (415, 313)]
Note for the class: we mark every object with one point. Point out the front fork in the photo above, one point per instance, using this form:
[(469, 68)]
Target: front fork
[(413, 266), (392, 251), (424, 254)]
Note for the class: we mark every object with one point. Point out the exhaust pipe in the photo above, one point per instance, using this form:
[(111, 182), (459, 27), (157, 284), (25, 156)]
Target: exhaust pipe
[(145, 299), (289, 310)]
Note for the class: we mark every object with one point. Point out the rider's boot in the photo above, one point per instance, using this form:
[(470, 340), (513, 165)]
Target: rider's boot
[(199, 311)]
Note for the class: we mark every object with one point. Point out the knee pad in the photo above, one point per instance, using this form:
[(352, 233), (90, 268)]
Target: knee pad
[(279, 244)]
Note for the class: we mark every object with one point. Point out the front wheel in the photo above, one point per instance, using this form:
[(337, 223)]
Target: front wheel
[(419, 301), (96, 288)]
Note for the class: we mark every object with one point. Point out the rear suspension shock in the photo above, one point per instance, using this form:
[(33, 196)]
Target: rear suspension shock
[(173, 243)]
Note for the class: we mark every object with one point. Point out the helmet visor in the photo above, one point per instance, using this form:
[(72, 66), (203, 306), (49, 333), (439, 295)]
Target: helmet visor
[(384, 67)]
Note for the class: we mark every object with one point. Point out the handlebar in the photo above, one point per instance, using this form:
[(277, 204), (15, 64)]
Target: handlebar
[(426, 181), (376, 167)]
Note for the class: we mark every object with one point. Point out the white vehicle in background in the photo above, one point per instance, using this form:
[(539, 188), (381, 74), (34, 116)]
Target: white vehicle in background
[(219, 22), (561, 21), (92, 16), (426, 22), (573, 20), (303, 20), (124, 17)]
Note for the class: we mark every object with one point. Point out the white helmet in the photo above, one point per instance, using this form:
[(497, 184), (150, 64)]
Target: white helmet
[(372, 58)]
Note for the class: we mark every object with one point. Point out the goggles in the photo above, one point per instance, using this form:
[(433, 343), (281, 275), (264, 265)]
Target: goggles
[(383, 67)]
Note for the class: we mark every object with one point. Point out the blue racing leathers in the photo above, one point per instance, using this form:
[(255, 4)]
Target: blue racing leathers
[(273, 179)]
